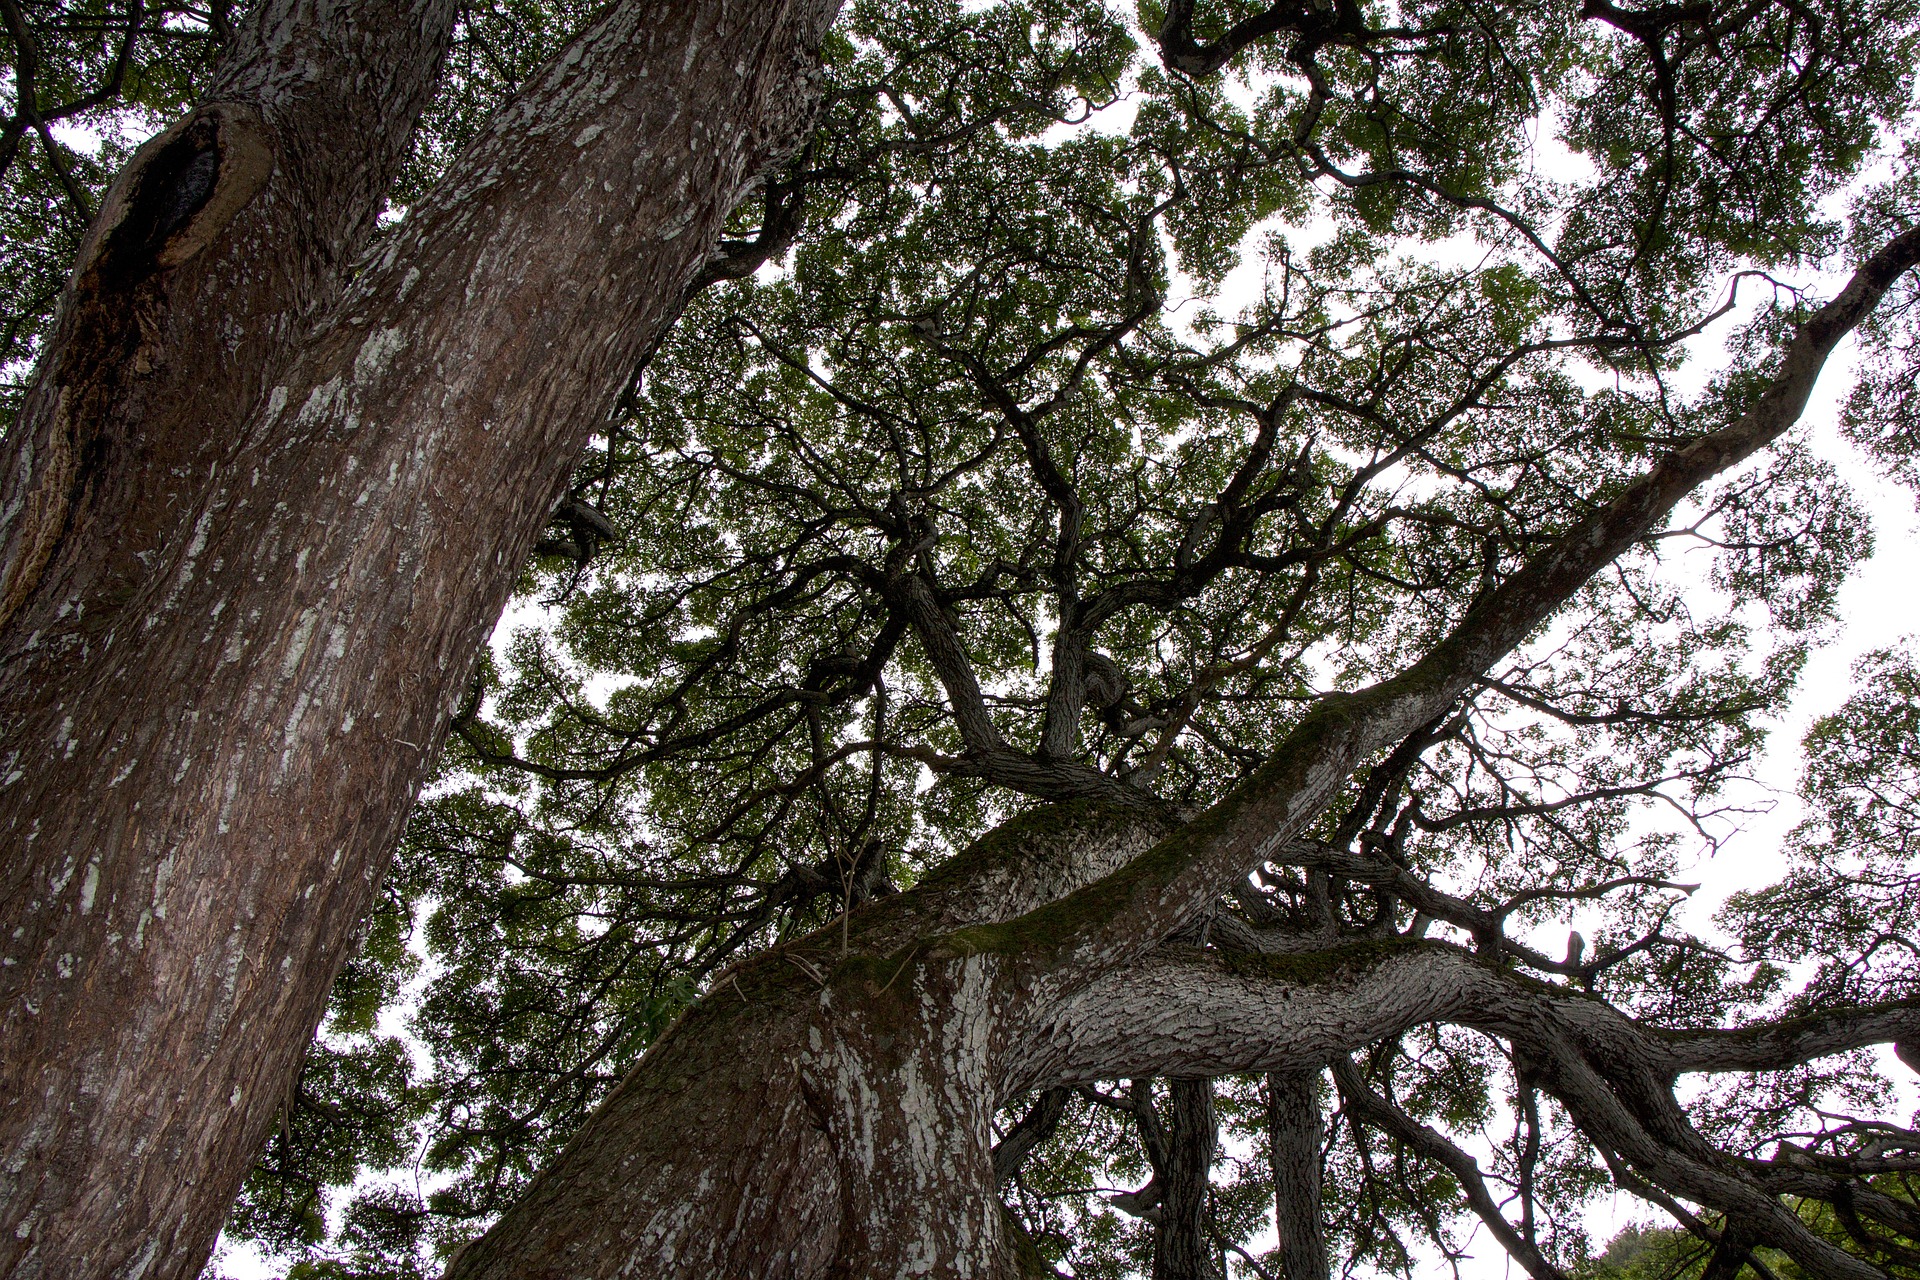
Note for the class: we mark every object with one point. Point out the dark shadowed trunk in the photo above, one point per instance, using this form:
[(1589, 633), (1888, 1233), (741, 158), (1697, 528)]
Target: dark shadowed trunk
[(262, 508), (1295, 1133), (1183, 1247)]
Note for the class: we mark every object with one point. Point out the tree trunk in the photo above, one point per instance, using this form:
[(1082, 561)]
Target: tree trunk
[(827, 1110), (215, 250), (1295, 1133), (1183, 1247), (823, 1112), (785, 1128), (239, 613)]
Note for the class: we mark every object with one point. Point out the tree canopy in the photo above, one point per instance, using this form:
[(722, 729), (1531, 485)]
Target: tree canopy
[(1095, 392)]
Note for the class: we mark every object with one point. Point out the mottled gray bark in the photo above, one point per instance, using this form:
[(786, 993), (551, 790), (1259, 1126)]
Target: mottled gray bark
[(826, 1111), (1188, 1011), (802, 1126), (240, 611)]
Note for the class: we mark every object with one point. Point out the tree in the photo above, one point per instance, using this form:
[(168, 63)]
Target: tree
[(1241, 694), (807, 442), (269, 473)]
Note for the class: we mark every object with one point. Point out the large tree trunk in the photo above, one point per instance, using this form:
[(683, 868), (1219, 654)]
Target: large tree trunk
[(823, 1112), (827, 1111), (215, 250), (253, 541), (786, 1129)]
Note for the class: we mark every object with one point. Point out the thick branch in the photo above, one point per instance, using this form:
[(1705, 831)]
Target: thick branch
[(1184, 1011), (1076, 939), (940, 637), (1369, 1108), (1773, 1046), (1314, 20), (1182, 1237), (1181, 1011), (1034, 1128)]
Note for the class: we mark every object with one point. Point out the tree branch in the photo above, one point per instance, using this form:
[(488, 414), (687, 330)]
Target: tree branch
[(1369, 1108), (1034, 1128), (1073, 941)]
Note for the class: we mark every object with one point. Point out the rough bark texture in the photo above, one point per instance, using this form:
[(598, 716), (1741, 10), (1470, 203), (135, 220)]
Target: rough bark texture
[(234, 632), (851, 1136), (214, 252), (839, 1100), (865, 1083)]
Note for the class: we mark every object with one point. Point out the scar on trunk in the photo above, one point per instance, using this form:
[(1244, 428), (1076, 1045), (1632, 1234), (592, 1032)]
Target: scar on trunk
[(178, 193)]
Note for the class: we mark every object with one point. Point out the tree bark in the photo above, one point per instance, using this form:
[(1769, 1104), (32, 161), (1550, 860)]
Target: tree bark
[(865, 1081), (844, 1129), (220, 694), (1033, 1129), (825, 1111), (215, 250)]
